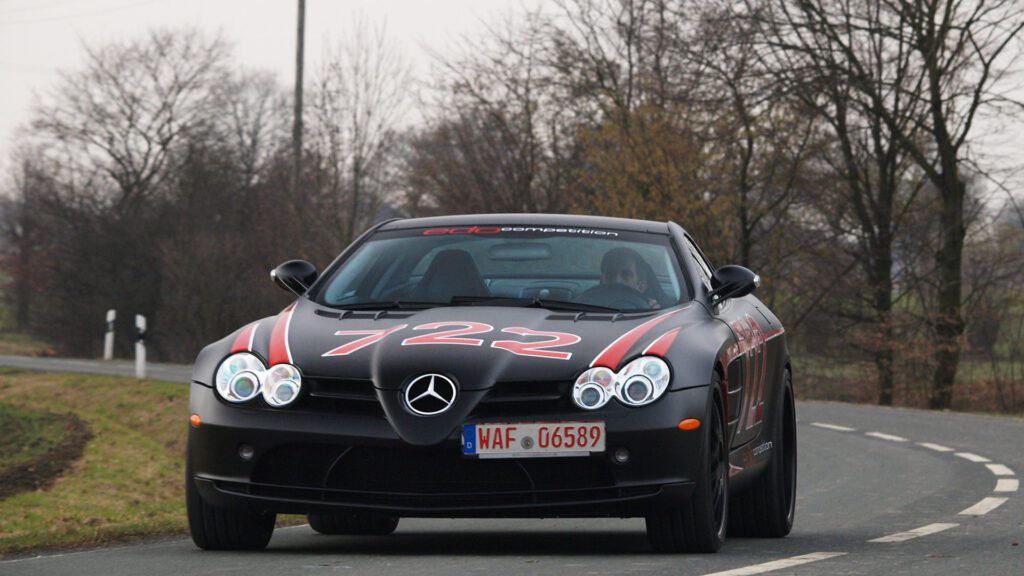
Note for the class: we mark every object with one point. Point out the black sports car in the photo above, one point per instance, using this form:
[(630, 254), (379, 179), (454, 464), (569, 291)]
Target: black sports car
[(500, 366)]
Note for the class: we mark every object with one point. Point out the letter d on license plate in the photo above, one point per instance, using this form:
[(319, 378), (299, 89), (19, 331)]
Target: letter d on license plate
[(532, 439)]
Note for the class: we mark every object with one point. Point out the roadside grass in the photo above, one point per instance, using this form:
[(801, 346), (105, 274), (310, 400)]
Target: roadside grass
[(129, 480), (15, 344), (25, 435), (31, 440)]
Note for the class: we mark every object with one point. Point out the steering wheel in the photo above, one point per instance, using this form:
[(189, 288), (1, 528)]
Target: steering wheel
[(616, 296)]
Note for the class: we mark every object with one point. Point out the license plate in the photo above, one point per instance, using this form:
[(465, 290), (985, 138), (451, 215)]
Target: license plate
[(532, 439)]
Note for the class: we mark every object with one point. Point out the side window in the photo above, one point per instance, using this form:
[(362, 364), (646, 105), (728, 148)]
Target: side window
[(702, 264)]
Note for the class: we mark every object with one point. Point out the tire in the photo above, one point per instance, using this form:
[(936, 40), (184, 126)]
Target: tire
[(358, 523), (700, 524), (767, 508), (214, 528)]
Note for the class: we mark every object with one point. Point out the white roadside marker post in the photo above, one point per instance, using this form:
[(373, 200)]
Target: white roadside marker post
[(140, 347), (108, 338)]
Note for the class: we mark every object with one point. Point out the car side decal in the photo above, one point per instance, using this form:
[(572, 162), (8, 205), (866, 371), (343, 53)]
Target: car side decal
[(243, 342), (280, 351), (613, 354), (662, 343)]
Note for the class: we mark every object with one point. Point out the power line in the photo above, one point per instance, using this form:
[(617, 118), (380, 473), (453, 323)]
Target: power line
[(80, 14)]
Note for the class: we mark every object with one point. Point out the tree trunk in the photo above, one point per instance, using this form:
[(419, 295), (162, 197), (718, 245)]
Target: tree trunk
[(883, 308), (949, 323)]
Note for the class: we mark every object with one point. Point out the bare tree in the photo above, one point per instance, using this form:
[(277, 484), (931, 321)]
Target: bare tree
[(358, 100), (946, 56), (498, 133), (125, 111)]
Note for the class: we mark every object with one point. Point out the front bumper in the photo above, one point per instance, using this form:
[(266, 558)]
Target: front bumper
[(321, 462)]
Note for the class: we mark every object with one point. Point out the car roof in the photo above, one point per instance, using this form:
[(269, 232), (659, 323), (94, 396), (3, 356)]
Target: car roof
[(545, 220)]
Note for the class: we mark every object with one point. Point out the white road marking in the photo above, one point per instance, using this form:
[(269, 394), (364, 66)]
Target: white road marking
[(884, 436), (835, 427), (999, 469), (1007, 485), (984, 507), (972, 457), (778, 564), (936, 447), (915, 533)]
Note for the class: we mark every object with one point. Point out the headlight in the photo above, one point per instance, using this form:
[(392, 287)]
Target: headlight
[(639, 383), (642, 381), (283, 384), (238, 377), (593, 388), (242, 377)]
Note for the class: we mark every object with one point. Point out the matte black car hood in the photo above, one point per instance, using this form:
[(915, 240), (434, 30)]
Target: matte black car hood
[(474, 362)]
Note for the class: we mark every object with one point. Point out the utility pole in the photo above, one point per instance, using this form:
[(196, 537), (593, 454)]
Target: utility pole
[(297, 125)]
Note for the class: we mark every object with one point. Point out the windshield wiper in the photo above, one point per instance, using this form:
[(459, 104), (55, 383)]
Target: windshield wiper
[(529, 303), (393, 305)]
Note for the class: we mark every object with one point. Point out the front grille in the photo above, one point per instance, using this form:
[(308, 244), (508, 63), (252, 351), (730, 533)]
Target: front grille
[(346, 396), (440, 501), (533, 398), (423, 471), (359, 397)]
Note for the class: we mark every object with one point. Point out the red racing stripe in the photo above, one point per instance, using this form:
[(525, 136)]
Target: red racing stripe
[(662, 343), (243, 342), (280, 353), (613, 354)]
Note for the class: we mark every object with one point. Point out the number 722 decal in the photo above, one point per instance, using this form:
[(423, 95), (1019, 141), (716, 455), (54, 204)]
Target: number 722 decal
[(459, 334)]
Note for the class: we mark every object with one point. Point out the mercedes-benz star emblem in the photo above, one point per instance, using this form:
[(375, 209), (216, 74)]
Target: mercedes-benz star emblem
[(430, 394)]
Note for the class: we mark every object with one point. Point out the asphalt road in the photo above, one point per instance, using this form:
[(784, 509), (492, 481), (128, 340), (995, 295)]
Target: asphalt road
[(168, 372), (871, 500)]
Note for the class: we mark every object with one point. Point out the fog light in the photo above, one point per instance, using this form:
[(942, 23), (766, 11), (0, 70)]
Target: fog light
[(621, 456), (245, 452)]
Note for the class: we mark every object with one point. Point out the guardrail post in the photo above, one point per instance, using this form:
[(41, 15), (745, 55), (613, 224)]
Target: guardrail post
[(108, 338), (140, 346)]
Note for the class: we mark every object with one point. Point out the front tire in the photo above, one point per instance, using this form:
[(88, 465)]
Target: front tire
[(358, 523), (767, 509), (214, 528), (700, 524)]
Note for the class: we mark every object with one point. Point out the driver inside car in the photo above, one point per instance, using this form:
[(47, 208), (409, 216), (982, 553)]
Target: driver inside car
[(626, 267)]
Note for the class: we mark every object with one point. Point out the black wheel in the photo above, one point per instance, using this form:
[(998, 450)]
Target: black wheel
[(767, 508), (214, 528), (699, 526), (357, 523)]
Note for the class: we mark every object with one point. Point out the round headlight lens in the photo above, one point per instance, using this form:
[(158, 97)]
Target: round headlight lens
[(238, 377), (593, 388), (244, 386), (636, 390), (642, 381), (283, 384)]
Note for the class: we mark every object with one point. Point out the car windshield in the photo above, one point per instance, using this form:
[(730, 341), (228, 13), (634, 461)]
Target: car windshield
[(558, 268)]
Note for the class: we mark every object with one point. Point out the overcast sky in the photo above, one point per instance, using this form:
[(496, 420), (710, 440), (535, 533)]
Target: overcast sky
[(40, 37)]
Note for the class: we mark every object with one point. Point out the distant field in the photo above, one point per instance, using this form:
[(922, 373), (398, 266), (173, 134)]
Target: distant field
[(977, 389), (14, 344)]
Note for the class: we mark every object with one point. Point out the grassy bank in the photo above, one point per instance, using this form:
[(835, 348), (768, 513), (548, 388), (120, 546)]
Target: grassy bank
[(128, 480), (37, 447)]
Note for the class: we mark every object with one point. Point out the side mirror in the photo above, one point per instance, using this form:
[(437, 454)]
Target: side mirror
[(295, 276), (732, 282)]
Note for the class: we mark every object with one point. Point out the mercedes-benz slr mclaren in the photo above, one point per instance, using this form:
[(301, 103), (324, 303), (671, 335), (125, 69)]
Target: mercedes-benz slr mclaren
[(500, 366)]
